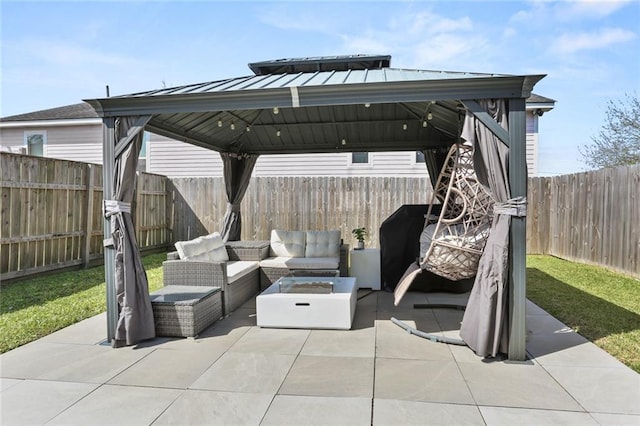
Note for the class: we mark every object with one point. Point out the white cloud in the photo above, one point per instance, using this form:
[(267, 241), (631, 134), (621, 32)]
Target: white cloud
[(595, 9), (430, 23), (509, 32), (544, 12), (423, 40), (571, 43)]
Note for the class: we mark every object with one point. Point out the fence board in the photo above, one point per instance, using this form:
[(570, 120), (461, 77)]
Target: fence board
[(312, 203), (588, 217), (51, 214)]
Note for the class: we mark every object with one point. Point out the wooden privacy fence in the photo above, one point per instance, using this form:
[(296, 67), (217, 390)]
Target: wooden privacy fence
[(589, 217), (295, 203), (51, 214)]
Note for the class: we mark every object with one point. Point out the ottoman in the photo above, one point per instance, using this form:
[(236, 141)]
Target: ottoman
[(185, 311)]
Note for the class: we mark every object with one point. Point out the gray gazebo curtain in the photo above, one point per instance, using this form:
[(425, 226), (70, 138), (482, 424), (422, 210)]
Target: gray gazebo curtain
[(135, 316), (237, 170), (485, 322)]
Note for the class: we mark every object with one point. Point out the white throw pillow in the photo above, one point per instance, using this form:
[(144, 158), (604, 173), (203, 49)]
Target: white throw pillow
[(216, 250), (288, 243), (323, 244), (192, 250)]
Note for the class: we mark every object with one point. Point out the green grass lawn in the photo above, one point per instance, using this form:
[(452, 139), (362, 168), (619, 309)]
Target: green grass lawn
[(36, 307), (601, 305)]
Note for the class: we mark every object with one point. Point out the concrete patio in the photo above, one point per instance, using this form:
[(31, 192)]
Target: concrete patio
[(236, 373)]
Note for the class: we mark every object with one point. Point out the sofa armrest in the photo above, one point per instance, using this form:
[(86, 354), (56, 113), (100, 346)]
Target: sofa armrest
[(173, 255), (195, 273), (344, 260)]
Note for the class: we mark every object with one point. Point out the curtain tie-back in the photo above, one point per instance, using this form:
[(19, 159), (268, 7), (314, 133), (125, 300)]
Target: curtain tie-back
[(513, 207), (112, 207), (235, 208)]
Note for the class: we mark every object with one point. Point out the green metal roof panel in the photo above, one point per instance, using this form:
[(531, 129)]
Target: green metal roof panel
[(312, 79)]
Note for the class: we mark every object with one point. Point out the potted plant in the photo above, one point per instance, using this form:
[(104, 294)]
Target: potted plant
[(359, 233)]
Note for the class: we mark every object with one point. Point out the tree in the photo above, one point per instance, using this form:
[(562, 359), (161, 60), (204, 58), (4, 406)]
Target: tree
[(618, 143)]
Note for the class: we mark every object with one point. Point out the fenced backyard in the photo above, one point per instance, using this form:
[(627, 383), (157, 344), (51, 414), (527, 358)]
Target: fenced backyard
[(51, 212), (587, 217)]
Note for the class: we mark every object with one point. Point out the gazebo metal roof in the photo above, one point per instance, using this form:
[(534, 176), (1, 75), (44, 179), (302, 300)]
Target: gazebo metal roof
[(337, 110)]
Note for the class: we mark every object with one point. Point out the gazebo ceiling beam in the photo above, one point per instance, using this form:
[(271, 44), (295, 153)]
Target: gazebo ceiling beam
[(392, 145), (177, 135), (486, 119)]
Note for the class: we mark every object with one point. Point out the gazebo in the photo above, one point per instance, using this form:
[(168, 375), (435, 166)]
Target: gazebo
[(330, 104)]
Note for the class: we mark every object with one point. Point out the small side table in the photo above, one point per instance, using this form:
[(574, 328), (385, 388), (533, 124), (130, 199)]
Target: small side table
[(365, 266)]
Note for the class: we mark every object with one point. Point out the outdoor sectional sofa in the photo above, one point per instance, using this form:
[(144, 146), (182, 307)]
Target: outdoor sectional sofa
[(243, 268), (303, 252)]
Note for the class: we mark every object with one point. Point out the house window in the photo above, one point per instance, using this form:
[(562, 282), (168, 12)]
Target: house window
[(420, 157), (142, 158), (359, 158), (35, 142)]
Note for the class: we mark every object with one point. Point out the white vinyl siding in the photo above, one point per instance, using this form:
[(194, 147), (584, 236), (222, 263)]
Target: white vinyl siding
[(75, 143), (532, 144), (177, 159), (12, 140)]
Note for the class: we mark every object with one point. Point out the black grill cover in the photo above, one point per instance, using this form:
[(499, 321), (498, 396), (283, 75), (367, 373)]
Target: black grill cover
[(400, 241), (400, 247)]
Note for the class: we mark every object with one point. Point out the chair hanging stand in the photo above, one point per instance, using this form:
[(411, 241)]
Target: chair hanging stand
[(451, 244), (432, 337)]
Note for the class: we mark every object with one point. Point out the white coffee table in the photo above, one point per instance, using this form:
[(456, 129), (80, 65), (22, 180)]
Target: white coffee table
[(328, 310)]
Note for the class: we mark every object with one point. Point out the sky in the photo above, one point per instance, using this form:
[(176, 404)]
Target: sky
[(57, 53)]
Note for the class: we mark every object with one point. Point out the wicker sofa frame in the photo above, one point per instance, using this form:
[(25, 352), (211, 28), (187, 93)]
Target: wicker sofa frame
[(214, 274)]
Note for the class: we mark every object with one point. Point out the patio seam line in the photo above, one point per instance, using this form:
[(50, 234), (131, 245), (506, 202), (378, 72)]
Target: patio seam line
[(567, 390), (128, 367), (375, 358), (285, 376), (182, 392), (464, 378), (75, 402), (536, 362)]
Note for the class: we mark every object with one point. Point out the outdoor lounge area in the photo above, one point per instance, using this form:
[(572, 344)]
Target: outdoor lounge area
[(376, 373), (246, 356)]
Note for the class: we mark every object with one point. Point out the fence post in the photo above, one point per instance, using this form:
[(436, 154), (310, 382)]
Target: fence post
[(88, 226)]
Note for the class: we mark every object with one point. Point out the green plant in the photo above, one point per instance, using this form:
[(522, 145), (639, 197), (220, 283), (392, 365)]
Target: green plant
[(359, 233)]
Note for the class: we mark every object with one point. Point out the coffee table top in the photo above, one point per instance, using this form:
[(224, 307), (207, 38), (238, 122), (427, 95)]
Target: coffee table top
[(341, 285)]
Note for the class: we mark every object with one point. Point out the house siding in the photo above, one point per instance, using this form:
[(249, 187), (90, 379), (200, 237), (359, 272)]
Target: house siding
[(74, 143), (532, 144), (177, 159), (12, 140)]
